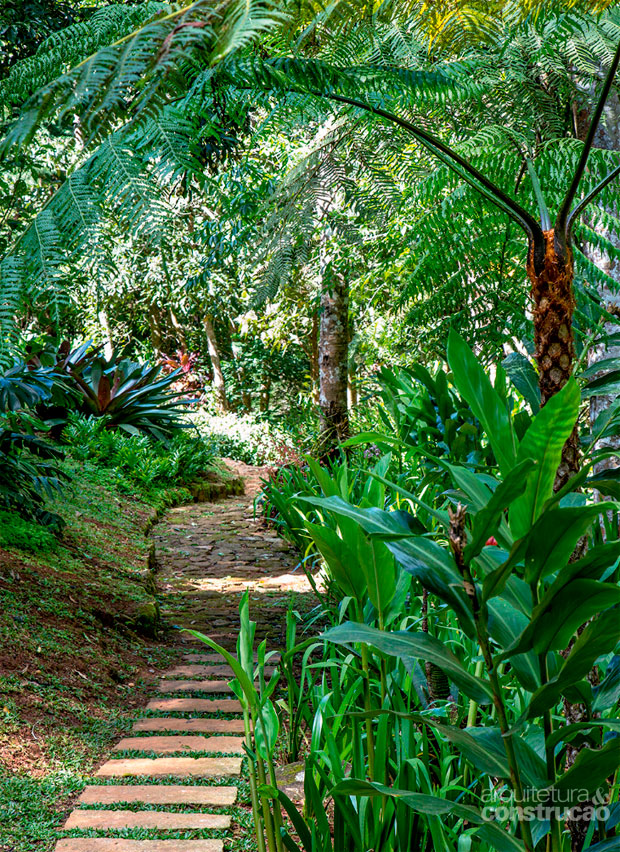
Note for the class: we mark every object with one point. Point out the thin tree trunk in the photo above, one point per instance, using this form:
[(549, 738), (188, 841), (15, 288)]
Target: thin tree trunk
[(314, 356), (265, 394), (333, 361), (154, 318), (219, 385), (104, 322), (352, 390), (179, 331)]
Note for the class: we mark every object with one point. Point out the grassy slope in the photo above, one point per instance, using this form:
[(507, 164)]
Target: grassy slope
[(71, 661)]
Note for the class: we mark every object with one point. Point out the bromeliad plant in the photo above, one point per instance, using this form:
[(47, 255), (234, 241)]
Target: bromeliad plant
[(522, 601)]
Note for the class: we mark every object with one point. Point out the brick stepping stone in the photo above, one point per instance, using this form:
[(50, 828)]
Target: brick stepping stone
[(194, 656), (113, 820), (157, 794), (195, 705), (167, 745), (206, 671), (191, 766), (213, 686), (201, 726), (118, 844)]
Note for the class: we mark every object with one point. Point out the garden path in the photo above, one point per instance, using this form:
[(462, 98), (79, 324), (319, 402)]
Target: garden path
[(173, 786)]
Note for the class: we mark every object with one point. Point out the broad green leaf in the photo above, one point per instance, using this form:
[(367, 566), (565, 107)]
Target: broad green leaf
[(327, 482), (524, 377), (552, 540), (266, 730), (608, 692), (439, 514), (487, 405), (487, 520), (557, 617), (436, 570), (419, 645), (374, 438), (374, 490), (599, 637), (380, 571), (421, 802), (588, 774), (499, 840), (340, 560), (612, 845), (543, 443), (374, 521), (532, 767), (567, 732), (495, 582), (505, 625)]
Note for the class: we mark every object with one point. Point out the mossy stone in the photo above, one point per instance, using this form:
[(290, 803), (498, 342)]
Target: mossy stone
[(147, 618)]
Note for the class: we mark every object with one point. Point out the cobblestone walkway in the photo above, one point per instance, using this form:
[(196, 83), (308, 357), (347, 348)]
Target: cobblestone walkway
[(168, 786)]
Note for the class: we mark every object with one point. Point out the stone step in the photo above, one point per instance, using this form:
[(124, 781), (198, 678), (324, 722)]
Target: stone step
[(206, 671), (118, 844), (168, 745), (158, 794), (195, 705), (212, 686), (204, 725), (191, 766), (114, 820), (197, 657)]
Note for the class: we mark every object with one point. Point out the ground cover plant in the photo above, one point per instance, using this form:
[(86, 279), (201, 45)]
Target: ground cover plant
[(76, 637)]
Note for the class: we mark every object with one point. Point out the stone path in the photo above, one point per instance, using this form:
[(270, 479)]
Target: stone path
[(174, 781)]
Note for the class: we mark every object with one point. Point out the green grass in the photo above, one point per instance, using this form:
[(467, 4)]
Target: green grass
[(70, 652)]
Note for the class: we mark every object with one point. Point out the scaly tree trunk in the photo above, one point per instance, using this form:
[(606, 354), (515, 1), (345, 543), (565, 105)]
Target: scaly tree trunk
[(333, 360), (219, 385), (551, 277)]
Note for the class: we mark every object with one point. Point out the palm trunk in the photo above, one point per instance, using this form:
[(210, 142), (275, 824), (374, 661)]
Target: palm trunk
[(333, 363), (551, 278), (219, 385)]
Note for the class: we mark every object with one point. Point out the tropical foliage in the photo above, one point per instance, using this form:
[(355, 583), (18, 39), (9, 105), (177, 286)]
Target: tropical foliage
[(376, 248)]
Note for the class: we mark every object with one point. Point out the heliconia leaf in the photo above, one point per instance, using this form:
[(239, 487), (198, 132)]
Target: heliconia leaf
[(552, 540), (487, 520), (266, 730), (598, 638), (485, 402), (556, 618), (543, 443), (524, 377), (339, 558), (421, 802), (612, 845), (608, 692), (434, 567), (587, 775), (420, 645)]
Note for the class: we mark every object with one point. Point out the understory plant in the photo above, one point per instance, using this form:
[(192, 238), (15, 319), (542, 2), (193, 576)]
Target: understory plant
[(136, 398), (140, 459), (29, 472), (515, 600)]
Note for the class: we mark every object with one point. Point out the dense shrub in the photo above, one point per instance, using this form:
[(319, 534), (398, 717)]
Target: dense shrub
[(246, 438), (139, 460)]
